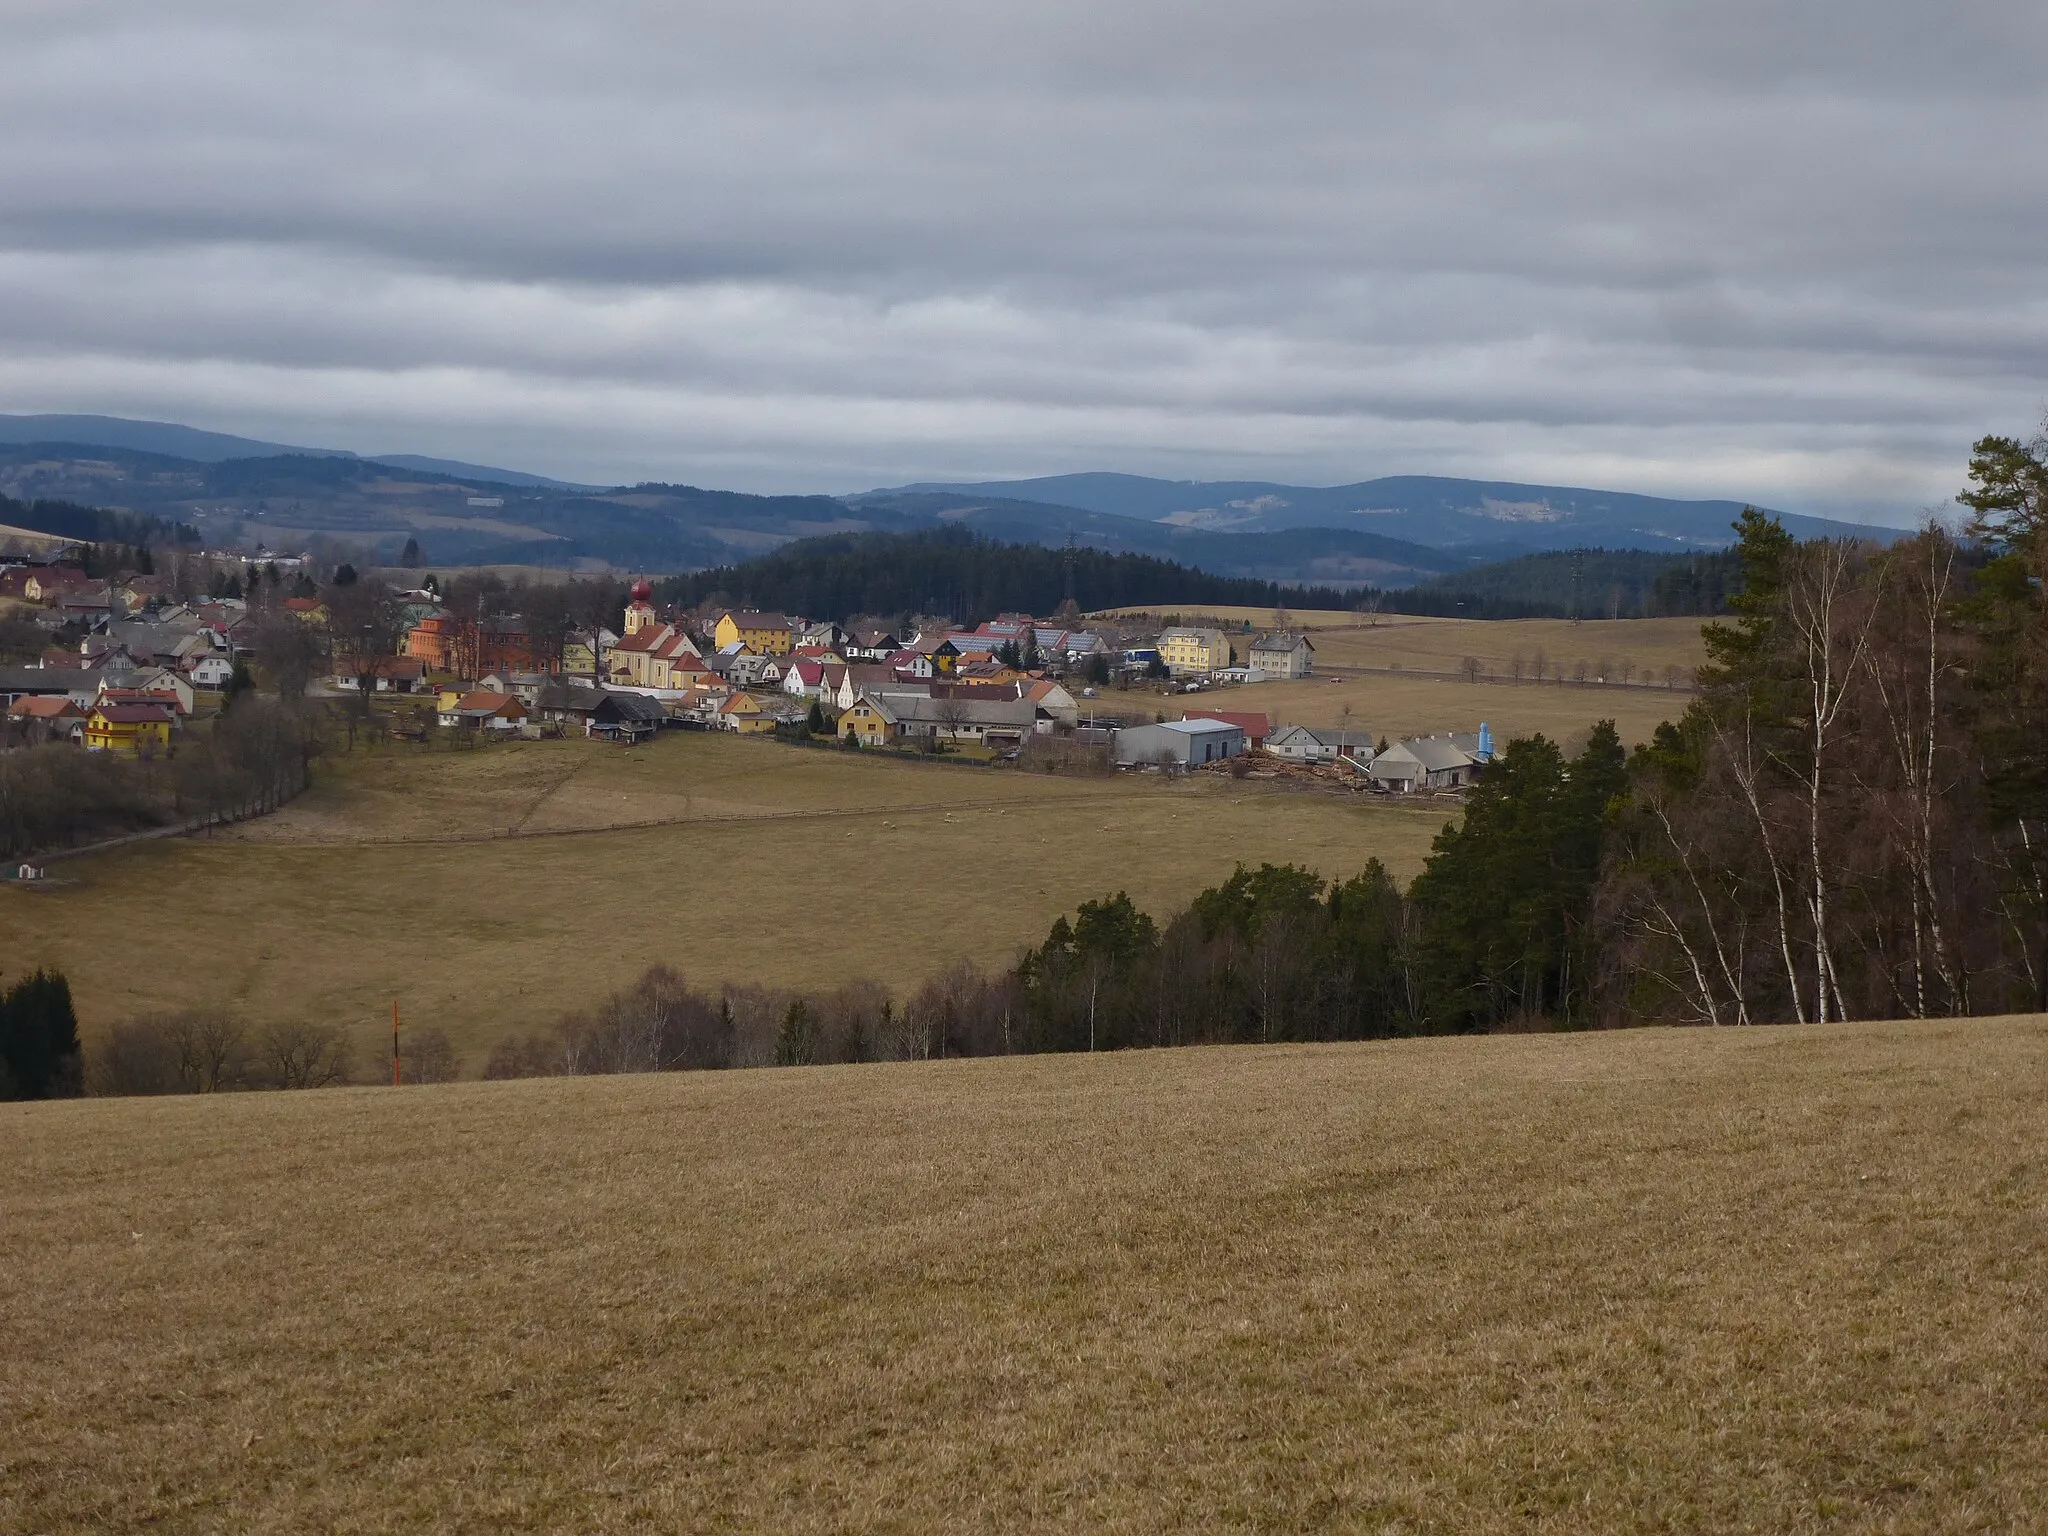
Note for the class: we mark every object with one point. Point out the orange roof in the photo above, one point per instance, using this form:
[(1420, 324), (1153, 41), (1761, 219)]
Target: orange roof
[(1254, 726), (44, 707)]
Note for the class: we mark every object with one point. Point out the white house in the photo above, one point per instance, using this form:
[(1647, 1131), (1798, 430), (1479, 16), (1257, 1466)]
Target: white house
[(1283, 655)]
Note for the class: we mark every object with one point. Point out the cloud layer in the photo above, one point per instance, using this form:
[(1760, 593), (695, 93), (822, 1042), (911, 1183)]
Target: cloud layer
[(1792, 253)]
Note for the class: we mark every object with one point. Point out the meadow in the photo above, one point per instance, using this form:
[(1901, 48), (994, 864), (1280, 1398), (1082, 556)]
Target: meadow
[(490, 890), (1396, 675), (1782, 1280)]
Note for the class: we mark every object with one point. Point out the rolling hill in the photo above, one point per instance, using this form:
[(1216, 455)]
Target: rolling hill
[(1478, 518)]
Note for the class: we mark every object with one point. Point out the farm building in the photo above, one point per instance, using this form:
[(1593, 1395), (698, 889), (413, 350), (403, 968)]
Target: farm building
[(1178, 743), (1324, 744), (1256, 727)]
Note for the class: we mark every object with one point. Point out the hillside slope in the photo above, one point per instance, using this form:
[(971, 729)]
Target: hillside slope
[(1781, 1279)]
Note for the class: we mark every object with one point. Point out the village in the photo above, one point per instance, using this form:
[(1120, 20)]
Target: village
[(131, 667)]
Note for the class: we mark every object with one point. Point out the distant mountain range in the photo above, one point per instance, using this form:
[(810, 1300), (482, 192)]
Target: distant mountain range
[(174, 441), (1477, 518), (1392, 532)]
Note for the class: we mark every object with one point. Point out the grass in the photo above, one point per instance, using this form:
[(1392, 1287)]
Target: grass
[(762, 863), (1403, 676), (1781, 1280)]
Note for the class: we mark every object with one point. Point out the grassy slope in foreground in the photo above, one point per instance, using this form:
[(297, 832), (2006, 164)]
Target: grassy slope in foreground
[(1769, 1280)]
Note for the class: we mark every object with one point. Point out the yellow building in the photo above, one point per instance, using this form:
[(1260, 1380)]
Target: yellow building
[(744, 714), (768, 634), (130, 728), (869, 722), (1190, 651)]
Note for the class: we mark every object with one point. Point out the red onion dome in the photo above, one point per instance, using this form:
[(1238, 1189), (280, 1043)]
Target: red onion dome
[(643, 590)]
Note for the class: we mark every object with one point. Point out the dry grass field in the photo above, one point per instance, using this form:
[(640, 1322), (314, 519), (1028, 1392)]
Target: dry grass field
[(1405, 676), (741, 861), (1781, 1280)]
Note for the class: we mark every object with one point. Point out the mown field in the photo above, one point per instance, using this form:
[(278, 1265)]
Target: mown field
[(731, 860), (1780, 1280)]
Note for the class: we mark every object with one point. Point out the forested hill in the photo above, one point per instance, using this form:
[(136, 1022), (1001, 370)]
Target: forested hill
[(1596, 583), (952, 571), (92, 525)]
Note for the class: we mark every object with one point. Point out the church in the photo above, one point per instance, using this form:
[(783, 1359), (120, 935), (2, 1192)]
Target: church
[(653, 653)]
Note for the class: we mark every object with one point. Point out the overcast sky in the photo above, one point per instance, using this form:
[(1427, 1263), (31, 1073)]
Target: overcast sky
[(1790, 252)]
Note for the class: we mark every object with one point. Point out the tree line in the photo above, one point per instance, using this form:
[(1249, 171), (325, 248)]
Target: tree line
[(94, 525), (1590, 584), (954, 571)]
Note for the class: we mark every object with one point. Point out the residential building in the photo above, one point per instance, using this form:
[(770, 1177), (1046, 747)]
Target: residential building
[(309, 609), (46, 717), (432, 641), (770, 634), (1194, 652), (870, 642), (584, 651), (133, 729), (483, 711), (1178, 744), (869, 721), (1284, 655)]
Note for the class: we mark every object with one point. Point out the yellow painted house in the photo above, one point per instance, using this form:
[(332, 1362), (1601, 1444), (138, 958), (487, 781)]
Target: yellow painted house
[(743, 713), (767, 634), (130, 728), (869, 722), (1187, 651)]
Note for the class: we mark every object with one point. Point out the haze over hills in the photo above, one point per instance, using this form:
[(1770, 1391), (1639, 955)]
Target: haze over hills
[(1476, 517)]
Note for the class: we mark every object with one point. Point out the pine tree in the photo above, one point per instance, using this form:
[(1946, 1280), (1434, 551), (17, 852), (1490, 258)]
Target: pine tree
[(39, 1051)]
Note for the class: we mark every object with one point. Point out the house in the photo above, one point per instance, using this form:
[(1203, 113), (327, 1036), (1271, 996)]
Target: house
[(805, 679), (46, 717), (46, 584), (511, 642), (133, 729), (1177, 744), (1054, 700), (1256, 727), (385, 674), (524, 686), (483, 711), (742, 712), (827, 636), (211, 671), (872, 679), (155, 686), (309, 609), (1303, 744), (870, 642), (1283, 655), (869, 721), (749, 670), (769, 634), (911, 661), (1194, 652), (584, 651)]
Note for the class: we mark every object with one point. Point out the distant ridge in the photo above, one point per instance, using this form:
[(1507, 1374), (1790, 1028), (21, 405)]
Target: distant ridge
[(199, 446), (1490, 518)]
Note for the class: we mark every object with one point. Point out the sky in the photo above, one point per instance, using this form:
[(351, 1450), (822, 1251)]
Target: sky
[(1795, 254)]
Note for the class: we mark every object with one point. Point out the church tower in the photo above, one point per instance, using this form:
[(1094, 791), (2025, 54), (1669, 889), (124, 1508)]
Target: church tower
[(640, 611)]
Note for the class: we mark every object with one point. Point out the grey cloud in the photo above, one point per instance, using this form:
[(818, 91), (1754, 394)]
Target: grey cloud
[(1785, 252)]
